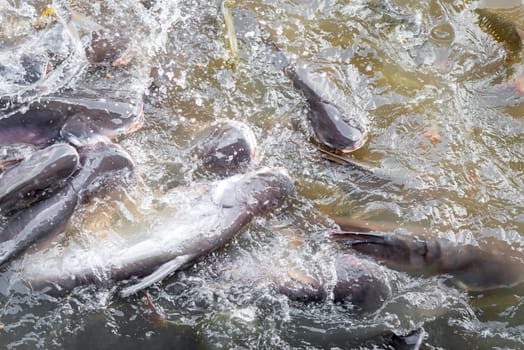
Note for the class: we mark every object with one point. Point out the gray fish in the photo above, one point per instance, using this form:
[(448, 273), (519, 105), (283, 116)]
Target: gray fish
[(100, 164), (360, 283), (472, 268), (70, 117), (203, 224), (43, 171), (227, 148), (334, 127)]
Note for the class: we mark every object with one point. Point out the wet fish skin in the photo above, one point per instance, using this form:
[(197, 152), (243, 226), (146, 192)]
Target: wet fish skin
[(172, 244), (102, 164), (48, 217), (45, 170), (229, 148), (411, 341), (333, 127), (53, 118), (471, 267), (298, 285), (361, 283), (241, 198)]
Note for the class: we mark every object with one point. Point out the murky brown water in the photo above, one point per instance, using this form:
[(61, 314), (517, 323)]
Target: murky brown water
[(445, 113)]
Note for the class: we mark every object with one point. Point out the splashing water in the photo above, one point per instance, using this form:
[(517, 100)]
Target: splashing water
[(446, 137)]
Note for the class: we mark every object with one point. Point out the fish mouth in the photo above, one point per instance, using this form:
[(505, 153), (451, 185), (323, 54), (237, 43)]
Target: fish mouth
[(348, 146), (341, 135), (357, 144)]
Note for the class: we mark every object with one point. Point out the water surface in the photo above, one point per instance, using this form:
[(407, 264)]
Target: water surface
[(444, 109)]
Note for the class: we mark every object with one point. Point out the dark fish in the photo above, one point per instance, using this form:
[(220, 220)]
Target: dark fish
[(177, 241), (358, 283), (102, 166), (100, 163), (411, 341), (471, 267), (41, 220), (73, 118), (300, 286), (334, 127), (361, 283), (228, 147), (44, 170)]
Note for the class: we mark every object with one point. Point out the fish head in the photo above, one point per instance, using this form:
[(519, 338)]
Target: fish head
[(256, 192), (361, 282), (229, 147), (337, 130), (102, 165), (398, 250), (95, 117)]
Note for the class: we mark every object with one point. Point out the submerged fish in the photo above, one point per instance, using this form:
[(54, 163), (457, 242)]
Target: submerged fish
[(205, 223), (503, 30), (357, 282), (472, 268)]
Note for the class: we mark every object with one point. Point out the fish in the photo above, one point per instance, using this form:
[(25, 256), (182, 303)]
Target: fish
[(77, 118), (471, 267), (228, 147), (100, 164), (174, 241), (335, 127), (40, 173), (357, 282), (360, 282), (503, 30)]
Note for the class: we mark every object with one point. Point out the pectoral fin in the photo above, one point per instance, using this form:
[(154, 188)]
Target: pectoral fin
[(159, 274)]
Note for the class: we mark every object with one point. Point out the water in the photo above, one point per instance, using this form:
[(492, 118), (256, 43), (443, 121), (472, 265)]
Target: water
[(444, 109)]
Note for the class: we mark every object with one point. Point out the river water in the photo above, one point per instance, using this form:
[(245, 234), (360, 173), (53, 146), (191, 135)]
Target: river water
[(444, 106)]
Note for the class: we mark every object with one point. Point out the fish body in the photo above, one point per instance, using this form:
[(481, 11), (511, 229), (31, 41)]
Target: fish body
[(69, 117), (42, 172), (471, 267), (333, 127), (174, 241), (100, 164)]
